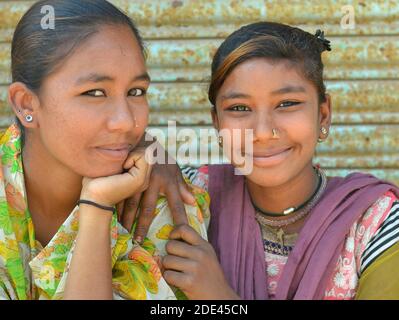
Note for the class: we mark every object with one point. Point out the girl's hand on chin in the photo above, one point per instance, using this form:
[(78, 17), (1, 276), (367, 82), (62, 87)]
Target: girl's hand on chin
[(113, 189)]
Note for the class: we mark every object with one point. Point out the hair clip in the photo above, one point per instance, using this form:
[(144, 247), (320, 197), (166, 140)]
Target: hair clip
[(320, 36)]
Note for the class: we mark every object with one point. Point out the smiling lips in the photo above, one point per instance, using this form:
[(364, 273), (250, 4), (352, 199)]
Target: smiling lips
[(115, 152), (270, 157)]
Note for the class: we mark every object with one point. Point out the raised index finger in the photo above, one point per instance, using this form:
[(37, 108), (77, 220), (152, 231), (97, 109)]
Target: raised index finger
[(176, 204)]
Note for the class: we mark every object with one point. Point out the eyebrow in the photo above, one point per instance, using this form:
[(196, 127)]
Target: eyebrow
[(239, 95), (289, 89), (95, 77), (235, 95)]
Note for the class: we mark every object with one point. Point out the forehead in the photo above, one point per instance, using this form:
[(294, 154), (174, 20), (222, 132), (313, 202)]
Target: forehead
[(266, 75), (112, 50), (111, 40)]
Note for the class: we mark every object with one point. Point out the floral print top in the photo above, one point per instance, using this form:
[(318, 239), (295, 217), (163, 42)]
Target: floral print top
[(29, 271)]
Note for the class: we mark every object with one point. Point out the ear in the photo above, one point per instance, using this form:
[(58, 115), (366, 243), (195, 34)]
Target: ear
[(325, 117), (215, 118), (24, 102)]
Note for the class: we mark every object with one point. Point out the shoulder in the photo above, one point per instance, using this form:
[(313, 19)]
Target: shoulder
[(369, 237), (376, 230), (385, 215)]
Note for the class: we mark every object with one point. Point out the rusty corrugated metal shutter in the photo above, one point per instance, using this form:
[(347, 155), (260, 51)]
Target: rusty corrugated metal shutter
[(362, 71)]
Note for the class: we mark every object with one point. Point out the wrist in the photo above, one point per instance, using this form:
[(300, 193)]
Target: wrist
[(91, 217), (97, 205), (227, 293), (233, 296), (87, 194), (90, 209)]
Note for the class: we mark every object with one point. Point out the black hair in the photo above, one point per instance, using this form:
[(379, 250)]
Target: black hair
[(274, 41), (36, 52)]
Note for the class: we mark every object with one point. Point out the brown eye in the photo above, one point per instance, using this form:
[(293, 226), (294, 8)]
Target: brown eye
[(239, 108), (287, 104), (95, 93), (137, 92)]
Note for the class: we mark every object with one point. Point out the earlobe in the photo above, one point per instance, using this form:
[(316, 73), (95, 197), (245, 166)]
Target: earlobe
[(325, 119), (23, 102), (325, 112), (215, 119)]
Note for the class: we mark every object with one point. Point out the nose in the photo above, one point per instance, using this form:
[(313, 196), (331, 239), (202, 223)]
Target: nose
[(122, 116), (263, 127)]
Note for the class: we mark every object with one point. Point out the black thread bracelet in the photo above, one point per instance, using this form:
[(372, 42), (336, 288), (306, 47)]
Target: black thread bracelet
[(112, 209)]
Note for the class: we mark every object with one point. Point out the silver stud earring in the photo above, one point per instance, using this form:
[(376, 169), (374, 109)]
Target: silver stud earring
[(29, 118)]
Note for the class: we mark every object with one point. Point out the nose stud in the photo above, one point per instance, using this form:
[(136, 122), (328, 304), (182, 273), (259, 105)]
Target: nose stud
[(275, 133)]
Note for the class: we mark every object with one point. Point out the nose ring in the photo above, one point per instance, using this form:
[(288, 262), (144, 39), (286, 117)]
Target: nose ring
[(275, 135)]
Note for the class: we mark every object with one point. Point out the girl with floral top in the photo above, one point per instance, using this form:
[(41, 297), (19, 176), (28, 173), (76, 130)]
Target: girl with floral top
[(79, 94)]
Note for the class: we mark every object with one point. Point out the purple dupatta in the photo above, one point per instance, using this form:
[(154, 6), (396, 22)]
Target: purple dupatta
[(237, 239)]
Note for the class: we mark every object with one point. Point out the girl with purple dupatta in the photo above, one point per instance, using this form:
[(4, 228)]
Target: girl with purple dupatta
[(285, 230)]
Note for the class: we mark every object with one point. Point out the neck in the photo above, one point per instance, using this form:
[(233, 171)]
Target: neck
[(52, 189), (293, 193)]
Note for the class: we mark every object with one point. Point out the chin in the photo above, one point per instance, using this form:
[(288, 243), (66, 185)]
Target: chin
[(268, 178), (104, 171)]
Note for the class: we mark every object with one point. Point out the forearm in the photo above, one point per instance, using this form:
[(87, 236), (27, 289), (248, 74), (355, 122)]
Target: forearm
[(90, 273)]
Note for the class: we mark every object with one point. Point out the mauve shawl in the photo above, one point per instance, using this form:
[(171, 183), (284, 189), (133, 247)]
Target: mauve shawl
[(237, 239)]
